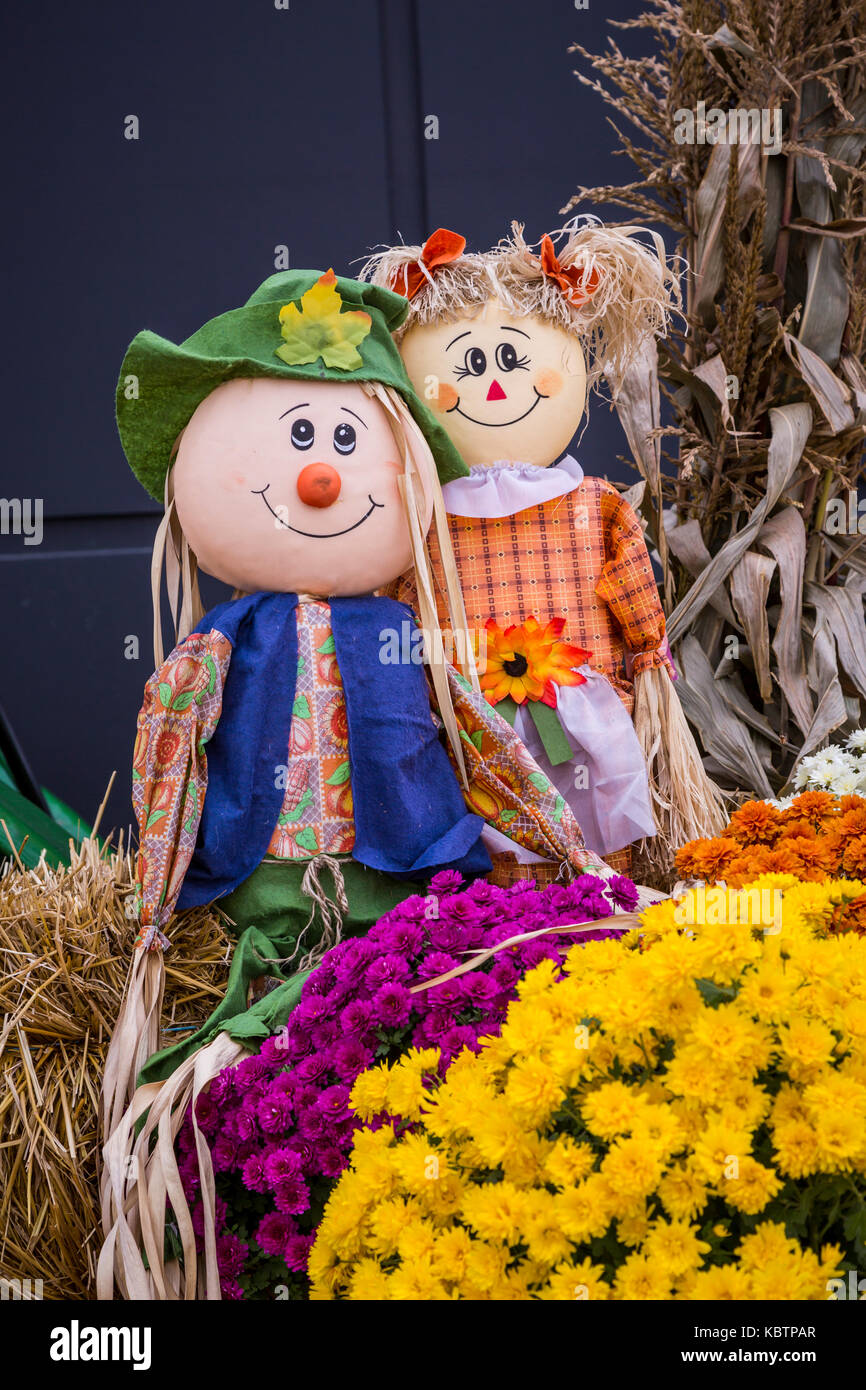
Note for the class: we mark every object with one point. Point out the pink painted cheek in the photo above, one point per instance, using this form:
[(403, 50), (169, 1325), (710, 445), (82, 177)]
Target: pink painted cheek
[(446, 397), (548, 382), (234, 481)]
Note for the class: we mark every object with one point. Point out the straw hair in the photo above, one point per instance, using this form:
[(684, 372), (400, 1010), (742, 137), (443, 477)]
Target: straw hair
[(687, 805), (173, 555), (636, 293)]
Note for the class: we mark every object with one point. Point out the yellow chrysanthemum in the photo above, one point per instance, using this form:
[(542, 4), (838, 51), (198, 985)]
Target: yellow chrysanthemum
[(768, 1242), (568, 1162), (722, 1283), (612, 1109), (533, 1090), (576, 1283), (751, 1187), (640, 1277), (720, 1148), (628, 1100), (683, 1192), (676, 1245)]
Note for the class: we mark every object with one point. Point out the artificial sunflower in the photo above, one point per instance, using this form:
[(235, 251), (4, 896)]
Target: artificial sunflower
[(528, 662)]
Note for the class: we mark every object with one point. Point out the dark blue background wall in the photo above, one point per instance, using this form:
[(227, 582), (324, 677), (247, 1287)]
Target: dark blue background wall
[(258, 127)]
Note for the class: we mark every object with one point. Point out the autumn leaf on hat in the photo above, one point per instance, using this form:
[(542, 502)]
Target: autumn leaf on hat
[(319, 329)]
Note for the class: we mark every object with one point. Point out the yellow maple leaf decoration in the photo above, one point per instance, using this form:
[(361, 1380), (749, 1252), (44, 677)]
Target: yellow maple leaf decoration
[(319, 329)]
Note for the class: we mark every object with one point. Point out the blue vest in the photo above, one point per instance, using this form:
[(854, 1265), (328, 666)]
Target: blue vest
[(410, 816)]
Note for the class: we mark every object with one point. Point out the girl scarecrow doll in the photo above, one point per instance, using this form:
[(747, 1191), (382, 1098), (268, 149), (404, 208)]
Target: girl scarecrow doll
[(289, 760), (553, 565)]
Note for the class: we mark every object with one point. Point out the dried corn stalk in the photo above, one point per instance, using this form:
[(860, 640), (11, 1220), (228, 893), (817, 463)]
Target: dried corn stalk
[(755, 511)]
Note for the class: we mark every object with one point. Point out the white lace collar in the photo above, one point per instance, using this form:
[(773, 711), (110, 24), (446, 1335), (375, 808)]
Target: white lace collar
[(501, 489)]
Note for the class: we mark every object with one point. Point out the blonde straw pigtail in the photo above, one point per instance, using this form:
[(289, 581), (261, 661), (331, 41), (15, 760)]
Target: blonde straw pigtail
[(426, 599), (172, 553), (456, 609)]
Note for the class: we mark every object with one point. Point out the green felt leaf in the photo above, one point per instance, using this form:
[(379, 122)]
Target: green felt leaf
[(165, 693), (507, 708), (339, 776), (327, 648), (301, 707), (153, 818), (183, 701), (539, 781), (551, 732), (306, 838), (507, 816)]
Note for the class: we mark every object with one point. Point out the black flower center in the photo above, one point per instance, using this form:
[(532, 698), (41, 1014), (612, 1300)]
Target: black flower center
[(518, 666)]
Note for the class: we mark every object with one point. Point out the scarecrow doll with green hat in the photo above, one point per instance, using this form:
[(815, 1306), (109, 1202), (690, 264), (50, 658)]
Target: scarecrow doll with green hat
[(293, 760)]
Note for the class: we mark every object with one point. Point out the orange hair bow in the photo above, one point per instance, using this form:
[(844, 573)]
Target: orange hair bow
[(575, 283), (440, 247)]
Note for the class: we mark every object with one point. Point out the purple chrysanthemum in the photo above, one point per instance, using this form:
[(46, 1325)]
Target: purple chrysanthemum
[(274, 1231), (291, 1195), (392, 1005)]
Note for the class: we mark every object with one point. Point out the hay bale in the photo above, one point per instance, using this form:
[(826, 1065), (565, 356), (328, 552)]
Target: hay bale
[(65, 945)]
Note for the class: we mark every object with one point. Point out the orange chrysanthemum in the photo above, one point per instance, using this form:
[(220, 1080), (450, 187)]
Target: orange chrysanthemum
[(852, 822), (815, 807), (782, 861), (755, 823), (850, 917), (833, 844), (797, 830), (713, 858), (749, 865), (854, 856), (528, 662), (814, 861), (818, 836), (686, 858)]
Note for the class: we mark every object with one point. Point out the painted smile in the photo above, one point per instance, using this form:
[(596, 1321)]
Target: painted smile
[(502, 424), (316, 535)]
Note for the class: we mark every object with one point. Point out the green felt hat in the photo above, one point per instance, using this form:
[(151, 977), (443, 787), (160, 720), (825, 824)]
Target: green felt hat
[(299, 324)]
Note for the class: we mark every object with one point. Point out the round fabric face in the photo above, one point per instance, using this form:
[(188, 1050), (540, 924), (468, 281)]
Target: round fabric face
[(505, 388), (291, 486)]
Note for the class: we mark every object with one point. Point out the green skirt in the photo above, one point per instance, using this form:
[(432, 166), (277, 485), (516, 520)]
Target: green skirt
[(270, 913)]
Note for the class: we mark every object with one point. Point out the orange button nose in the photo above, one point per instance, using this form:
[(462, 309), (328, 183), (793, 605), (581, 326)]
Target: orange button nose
[(496, 392), (319, 484)]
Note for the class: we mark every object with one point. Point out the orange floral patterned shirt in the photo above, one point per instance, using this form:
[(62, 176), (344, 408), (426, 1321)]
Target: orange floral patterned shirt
[(316, 817)]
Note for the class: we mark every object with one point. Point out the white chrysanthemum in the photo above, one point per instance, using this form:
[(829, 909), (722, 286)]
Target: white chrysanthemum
[(845, 784), (857, 741), (823, 769)]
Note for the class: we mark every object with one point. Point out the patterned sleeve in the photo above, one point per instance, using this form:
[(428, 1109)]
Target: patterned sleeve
[(628, 585), (181, 709), (506, 785)]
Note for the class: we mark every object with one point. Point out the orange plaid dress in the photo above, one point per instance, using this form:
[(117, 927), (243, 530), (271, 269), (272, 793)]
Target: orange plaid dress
[(582, 557)]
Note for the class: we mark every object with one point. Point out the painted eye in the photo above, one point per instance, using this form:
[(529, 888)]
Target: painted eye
[(344, 439), (475, 362), (303, 434), (506, 357)]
